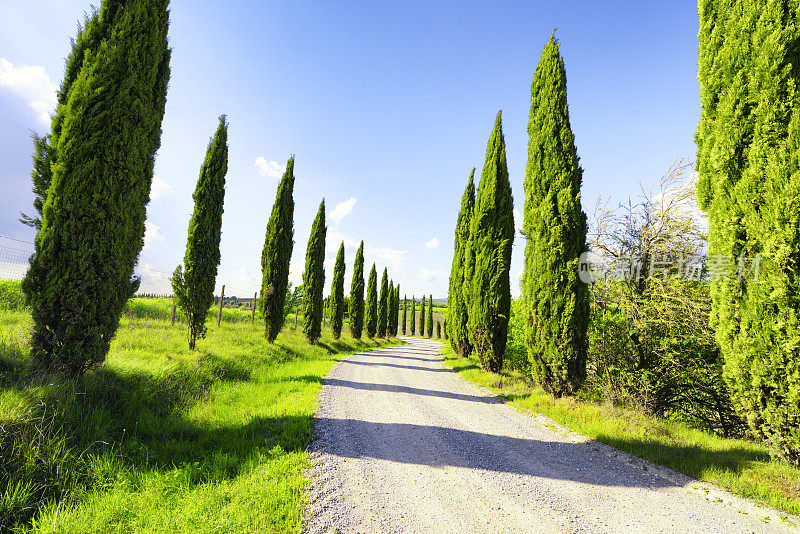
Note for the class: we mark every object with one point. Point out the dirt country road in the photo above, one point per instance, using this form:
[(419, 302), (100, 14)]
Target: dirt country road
[(403, 444)]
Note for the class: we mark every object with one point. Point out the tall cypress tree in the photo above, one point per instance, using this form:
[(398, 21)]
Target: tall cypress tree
[(92, 225), (405, 314), (748, 159), (395, 309), (422, 317), (413, 321), (383, 305), (430, 316), (556, 301), (357, 295), (457, 305), (336, 301), (193, 283), (314, 277), (491, 239), (371, 314), (276, 255)]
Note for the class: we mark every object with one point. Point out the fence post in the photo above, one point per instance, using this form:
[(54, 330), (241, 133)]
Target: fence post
[(172, 313), (221, 298), (253, 318)]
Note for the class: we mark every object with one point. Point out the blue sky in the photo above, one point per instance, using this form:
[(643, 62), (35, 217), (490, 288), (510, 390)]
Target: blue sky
[(386, 106)]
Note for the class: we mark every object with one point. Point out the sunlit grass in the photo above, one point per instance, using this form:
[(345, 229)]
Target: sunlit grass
[(160, 438), (740, 466)]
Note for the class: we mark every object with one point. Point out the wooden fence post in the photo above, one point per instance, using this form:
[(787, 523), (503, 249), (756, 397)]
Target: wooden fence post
[(253, 318), (172, 313), (221, 298)]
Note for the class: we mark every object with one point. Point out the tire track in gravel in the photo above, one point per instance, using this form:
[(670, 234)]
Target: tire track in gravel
[(404, 444)]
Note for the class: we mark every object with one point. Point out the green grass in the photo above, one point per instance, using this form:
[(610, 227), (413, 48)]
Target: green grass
[(740, 466), (159, 438)]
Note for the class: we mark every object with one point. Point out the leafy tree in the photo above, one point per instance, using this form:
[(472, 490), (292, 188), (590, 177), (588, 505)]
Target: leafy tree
[(422, 317), (383, 305), (405, 314), (194, 282), (293, 302), (314, 277), (556, 301), (371, 314), (413, 322), (92, 224), (491, 239), (430, 316), (337, 294), (457, 303), (357, 295), (277, 253), (749, 186)]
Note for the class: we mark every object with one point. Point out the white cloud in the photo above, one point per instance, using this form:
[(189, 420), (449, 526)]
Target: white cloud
[(245, 278), (269, 168), (334, 237), (159, 188), (342, 209), (432, 244), (32, 84), (429, 275), (152, 233), (393, 258), (517, 222)]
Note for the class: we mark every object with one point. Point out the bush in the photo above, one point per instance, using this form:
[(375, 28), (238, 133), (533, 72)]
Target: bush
[(11, 296)]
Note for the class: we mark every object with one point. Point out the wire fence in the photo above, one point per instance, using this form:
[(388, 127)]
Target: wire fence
[(15, 253)]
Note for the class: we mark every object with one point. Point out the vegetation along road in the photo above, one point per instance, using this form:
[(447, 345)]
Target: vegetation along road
[(403, 444)]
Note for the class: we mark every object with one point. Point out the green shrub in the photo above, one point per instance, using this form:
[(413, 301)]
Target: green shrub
[(11, 296)]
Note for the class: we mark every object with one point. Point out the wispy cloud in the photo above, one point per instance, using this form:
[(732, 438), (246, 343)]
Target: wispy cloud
[(159, 188), (31, 84), (342, 210), (152, 234), (245, 278), (432, 244), (517, 222), (429, 275), (391, 257), (269, 168)]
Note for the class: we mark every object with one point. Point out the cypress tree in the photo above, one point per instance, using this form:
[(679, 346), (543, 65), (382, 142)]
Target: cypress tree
[(395, 310), (314, 277), (749, 185), (357, 295), (457, 304), (438, 329), (422, 317), (336, 301), (276, 255), (92, 224), (491, 239), (383, 305), (371, 314), (430, 316), (556, 301), (413, 322), (445, 328), (405, 314), (194, 282)]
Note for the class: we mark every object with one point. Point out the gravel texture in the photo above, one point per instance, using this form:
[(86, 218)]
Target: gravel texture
[(404, 444)]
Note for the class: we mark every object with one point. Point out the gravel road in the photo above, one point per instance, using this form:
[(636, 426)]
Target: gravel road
[(404, 444)]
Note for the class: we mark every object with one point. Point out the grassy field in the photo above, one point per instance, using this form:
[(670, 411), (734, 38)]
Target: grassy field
[(742, 467), (160, 439)]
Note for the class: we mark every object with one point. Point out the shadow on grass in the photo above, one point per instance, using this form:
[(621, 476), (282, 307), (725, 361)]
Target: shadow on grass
[(129, 420)]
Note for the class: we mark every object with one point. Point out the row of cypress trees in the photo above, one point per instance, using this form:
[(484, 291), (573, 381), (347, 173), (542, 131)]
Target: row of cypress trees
[(555, 301), (423, 317)]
